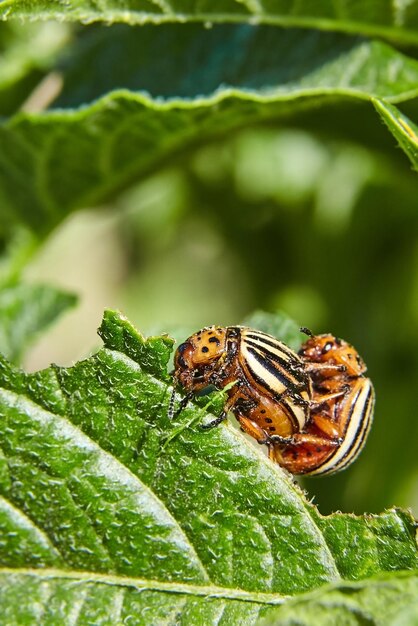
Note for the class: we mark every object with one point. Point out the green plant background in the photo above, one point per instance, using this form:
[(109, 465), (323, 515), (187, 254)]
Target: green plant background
[(216, 169)]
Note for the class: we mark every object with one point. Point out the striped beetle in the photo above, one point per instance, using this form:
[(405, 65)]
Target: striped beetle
[(342, 407), (311, 410)]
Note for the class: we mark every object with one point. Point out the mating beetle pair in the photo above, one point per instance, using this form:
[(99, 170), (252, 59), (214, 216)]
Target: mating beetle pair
[(313, 409)]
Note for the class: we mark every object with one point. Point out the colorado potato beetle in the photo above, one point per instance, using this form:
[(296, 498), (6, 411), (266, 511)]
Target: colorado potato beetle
[(311, 410), (341, 408)]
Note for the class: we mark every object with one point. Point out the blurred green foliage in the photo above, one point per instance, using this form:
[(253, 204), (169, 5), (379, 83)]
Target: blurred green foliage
[(307, 208)]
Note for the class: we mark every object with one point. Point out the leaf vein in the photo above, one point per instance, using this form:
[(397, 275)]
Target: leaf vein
[(207, 591)]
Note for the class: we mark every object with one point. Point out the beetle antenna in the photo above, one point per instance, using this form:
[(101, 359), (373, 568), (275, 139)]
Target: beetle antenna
[(306, 331)]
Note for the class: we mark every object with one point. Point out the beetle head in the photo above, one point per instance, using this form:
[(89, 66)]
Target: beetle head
[(199, 356), (330, 349)]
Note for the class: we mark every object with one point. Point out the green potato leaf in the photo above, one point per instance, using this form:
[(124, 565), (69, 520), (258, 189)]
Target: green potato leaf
[(279, 325), (387, 600), (104, 513)]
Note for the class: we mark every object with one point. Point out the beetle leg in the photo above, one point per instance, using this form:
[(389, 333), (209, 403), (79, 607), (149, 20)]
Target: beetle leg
[(300, 401), (327, 397), (300, 459), (275, 454), (297, 399), (302, 438), (283, 441), (215, 422), (280, 447), (315, 367), (183, 402), (327, 426), (253, 429), (221, 417)]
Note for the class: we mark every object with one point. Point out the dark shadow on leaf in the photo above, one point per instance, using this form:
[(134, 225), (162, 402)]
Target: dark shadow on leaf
[(189, 60)]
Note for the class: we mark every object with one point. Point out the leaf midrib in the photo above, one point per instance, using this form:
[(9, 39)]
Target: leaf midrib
[(142, 584)]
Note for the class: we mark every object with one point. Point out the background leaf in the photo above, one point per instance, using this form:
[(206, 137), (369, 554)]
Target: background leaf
[(388, 600), (399, 22), (57, 161), (26, 311), (279, 325), (405, 131), (28, 51)]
